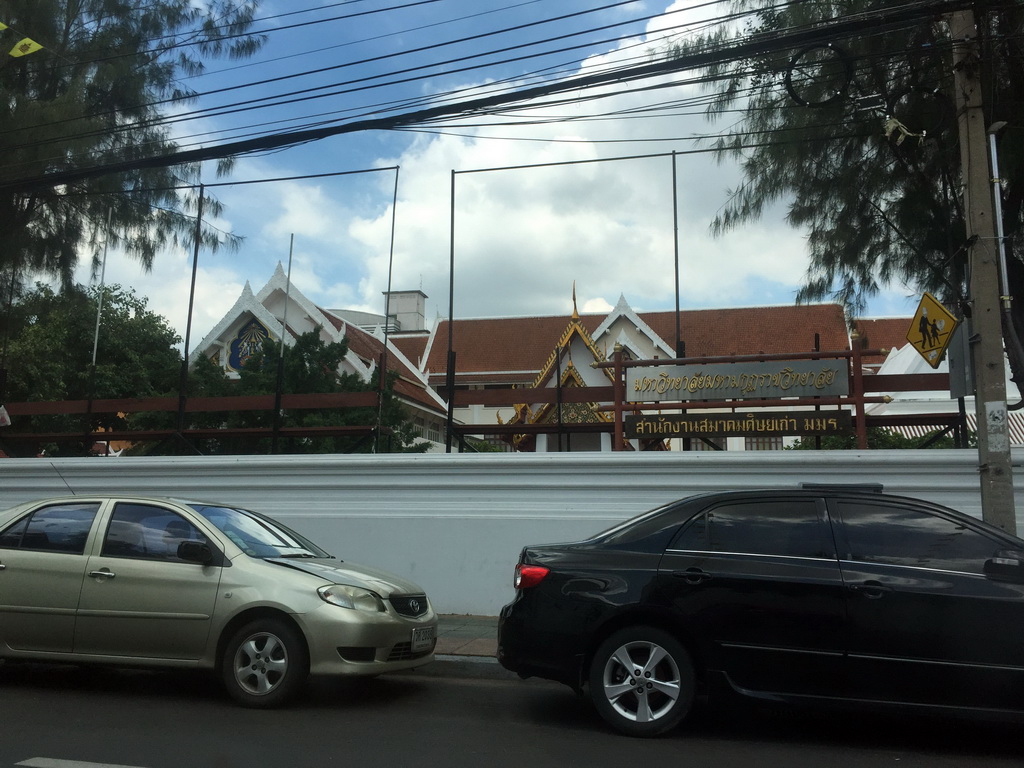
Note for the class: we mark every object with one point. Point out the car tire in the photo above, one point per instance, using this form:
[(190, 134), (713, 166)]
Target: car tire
[(642, 681), (265, 664)]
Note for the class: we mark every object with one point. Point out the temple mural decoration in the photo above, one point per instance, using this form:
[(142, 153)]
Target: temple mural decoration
[(248, 342)]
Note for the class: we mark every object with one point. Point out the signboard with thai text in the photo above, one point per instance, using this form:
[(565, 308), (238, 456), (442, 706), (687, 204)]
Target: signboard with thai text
[(755, 424), (738, 381)]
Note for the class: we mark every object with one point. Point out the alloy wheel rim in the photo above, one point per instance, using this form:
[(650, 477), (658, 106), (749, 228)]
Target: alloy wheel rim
[(260, 664), (641, 681)]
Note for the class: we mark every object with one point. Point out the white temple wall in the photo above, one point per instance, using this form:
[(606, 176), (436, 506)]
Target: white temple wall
[(455, 523)]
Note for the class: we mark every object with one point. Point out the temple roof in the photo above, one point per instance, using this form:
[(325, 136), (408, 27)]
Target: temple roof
[(515, 349), (364, 349), (410, 384), (881, 333)]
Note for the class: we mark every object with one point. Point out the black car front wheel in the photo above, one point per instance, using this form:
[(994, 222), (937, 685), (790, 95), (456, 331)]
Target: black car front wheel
[(642, 681)]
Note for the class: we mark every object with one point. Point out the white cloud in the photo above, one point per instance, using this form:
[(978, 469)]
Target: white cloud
[(166, 287), (522, 236)]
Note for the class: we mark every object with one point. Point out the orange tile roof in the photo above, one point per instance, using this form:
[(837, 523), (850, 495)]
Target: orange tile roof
[(754, 330), (882, 333), (509, 345), (412, 347), (512, 349), (368, 347)]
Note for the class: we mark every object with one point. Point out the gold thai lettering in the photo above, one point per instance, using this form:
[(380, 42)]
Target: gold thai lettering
[(734, 424), (820, 424), (763, 382)]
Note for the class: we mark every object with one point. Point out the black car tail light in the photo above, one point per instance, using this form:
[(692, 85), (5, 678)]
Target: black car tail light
[(529, 575)]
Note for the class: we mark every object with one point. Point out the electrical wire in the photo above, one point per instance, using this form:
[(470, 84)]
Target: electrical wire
[(370, 60), (917, 4), (280, 102)]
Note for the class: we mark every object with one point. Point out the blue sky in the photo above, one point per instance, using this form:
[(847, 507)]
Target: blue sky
[(523, 236)]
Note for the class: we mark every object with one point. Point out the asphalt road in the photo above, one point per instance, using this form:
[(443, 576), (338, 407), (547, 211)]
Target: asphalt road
[(54, 717)]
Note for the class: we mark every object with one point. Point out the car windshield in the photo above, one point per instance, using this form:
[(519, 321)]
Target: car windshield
[(258, 536)]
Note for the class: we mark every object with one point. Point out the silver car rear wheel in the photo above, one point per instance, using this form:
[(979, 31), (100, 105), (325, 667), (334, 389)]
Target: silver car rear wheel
[(265, 663), (642, 681)]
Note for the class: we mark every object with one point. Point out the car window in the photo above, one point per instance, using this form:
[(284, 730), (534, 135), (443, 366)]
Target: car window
[(257, 535), (53, 528), (889, 533), (787, 527), (147, 531), (641, 526)]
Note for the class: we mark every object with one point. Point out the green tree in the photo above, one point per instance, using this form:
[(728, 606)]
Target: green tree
[(50, 355), (878, 438), (858, 137), (95, 93), (310, 365)]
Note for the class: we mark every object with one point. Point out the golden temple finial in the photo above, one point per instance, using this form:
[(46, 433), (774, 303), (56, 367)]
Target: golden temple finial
[(575, 311)]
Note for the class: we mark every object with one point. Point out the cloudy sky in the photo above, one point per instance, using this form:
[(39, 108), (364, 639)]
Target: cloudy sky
[(523, 235)]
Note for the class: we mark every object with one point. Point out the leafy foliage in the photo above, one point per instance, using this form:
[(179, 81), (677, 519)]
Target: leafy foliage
[(877, 190), (94, 94), (310, 365), (878, 438), (50, 353)]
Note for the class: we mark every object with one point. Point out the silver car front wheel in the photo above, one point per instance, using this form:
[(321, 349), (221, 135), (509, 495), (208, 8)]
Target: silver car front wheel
[(642, 681), (265, 663)]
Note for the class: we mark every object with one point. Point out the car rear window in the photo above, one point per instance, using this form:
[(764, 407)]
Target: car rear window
[(783, 527), (656, 527), (53, 528)]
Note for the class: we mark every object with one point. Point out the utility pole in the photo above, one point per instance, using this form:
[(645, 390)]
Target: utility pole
[(983, 257)]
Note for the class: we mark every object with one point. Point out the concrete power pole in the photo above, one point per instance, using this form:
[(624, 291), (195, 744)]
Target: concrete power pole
[(983, 256)]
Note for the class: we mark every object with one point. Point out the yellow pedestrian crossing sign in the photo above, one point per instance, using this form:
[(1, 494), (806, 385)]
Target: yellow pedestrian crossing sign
[(931, 330)]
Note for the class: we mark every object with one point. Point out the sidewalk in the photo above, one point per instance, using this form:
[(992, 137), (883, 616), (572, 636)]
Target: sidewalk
[(467, 636), (466, 647)]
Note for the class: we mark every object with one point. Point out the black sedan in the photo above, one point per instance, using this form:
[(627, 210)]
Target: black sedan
[(821, 595)]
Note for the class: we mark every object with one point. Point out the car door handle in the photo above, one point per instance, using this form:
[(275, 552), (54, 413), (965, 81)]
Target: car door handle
[(692, 575), (871, 589), (105, 573), (2, 567)]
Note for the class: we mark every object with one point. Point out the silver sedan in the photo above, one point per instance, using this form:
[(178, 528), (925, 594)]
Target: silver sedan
[(170, 583)]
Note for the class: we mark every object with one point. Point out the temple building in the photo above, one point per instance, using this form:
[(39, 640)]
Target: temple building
[(281, 310), (500, 355), (533, 352)]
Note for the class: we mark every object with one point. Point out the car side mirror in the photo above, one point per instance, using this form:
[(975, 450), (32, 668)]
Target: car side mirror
[(1006, 565), (195, 552)]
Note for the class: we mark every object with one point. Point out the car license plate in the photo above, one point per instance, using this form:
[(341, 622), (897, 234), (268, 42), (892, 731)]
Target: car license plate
[(422, 639)]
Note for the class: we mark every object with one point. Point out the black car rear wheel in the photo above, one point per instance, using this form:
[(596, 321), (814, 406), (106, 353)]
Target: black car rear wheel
[(642, 681)]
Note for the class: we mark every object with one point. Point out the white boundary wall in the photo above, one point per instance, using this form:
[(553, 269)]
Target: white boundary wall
[(455, 523)]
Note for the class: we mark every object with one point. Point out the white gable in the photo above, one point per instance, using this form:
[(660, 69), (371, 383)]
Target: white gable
[(247, 307), (625, 327)]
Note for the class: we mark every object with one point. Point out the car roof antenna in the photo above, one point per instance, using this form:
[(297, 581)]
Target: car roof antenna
[(62, 479)]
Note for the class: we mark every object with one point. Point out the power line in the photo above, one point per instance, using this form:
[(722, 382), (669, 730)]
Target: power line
[(367, 112), (225, 110), (756, 46), (576, 100), (275, 100)]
